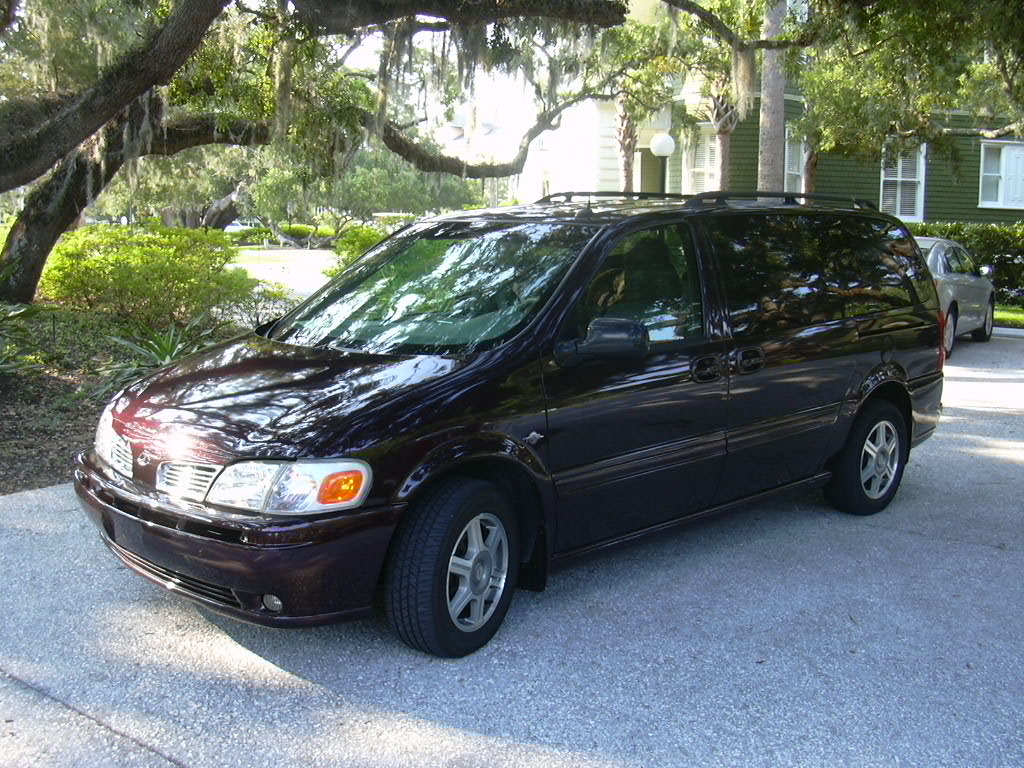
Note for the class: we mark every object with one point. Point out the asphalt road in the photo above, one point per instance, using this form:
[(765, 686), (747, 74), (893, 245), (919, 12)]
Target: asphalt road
[(784, 634)]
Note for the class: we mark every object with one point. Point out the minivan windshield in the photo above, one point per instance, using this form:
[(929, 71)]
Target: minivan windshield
[(439, 288)]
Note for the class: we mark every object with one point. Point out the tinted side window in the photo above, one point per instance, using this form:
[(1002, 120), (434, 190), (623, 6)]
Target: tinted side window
[(878, 266), (794, 270), (651, 277), (774, 270)]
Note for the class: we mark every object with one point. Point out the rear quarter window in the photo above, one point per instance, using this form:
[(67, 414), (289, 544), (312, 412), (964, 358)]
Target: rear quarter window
[(794, 270)]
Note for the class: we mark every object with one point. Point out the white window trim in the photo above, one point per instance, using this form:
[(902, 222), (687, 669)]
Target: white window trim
[(705, 130), (1002, 175), (802, 166), (922, 164)]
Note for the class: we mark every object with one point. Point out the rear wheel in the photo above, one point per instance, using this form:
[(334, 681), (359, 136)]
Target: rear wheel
[(870, 466), (985, 332), (949, 336), (454, 569)]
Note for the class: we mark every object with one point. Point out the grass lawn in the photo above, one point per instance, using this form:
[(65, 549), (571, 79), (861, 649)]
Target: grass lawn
[(283, 257), (1009, 316)]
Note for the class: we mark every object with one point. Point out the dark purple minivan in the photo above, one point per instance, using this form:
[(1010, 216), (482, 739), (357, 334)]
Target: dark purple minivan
[(487, 393)]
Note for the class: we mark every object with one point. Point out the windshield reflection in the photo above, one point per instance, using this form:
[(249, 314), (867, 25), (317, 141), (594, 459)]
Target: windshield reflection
[(446, 287)]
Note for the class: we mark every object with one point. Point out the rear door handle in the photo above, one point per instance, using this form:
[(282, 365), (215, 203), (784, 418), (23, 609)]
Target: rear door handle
[(708, 368), (747, 360)]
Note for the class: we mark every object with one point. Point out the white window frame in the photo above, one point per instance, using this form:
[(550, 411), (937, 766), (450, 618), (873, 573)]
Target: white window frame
[(922, 163), (1003, 146), (794, 177), (710, 170)]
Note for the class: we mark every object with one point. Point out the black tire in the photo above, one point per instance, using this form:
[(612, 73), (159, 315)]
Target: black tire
[(985, 332), (427, 573), (950, 337), (848, 491)]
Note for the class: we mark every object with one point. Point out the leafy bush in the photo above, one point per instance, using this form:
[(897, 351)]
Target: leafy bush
[(16, 340), (1000, 245), (153, 276), (353, 243), (266, 302), (151, 349), (303, 231), (252, 236)]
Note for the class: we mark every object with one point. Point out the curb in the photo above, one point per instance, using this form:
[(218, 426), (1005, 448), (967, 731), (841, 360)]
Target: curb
[(1017, 333)]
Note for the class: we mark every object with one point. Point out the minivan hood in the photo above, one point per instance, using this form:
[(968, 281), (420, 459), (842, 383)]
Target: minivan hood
[(256, 397)]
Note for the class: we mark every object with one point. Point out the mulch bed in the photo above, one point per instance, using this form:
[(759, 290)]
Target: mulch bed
[(45, 420)]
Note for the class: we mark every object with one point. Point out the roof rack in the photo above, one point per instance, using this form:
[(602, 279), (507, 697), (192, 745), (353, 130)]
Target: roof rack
[(568, 196), (789, 198)]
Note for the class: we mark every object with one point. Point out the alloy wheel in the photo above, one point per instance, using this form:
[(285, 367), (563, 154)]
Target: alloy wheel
[(879, 459), (477, 572)]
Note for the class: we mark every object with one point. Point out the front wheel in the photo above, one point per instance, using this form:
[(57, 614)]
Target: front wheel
[(454, 568), (985, 332), (870, 466)]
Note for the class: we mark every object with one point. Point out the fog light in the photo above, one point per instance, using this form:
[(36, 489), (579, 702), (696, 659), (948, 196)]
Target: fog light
[(273, 603)]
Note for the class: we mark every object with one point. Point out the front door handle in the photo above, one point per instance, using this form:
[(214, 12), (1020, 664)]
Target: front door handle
[(708, 368), (747, 360)]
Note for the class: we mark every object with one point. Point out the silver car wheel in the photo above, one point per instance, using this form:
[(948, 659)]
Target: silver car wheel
[(949, 335), (989, 318), (879, 459), (477, 572)]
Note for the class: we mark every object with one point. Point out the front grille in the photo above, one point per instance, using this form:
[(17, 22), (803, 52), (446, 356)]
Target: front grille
[(186, 481), (179, 581), (121, 456)]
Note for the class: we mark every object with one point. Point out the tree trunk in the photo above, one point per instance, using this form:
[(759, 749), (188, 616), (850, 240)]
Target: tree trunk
[(56, 202), (628, 138), (771, 152), (724, 160), (810, 171)]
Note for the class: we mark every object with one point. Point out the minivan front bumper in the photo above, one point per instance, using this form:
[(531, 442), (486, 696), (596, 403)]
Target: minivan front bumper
[(321, 569)]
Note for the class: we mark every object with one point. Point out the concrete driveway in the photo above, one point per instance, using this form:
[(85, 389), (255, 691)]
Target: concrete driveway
[(784, 634)]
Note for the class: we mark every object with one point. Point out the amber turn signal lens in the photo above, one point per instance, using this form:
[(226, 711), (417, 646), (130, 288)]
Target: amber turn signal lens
[(340, 487)]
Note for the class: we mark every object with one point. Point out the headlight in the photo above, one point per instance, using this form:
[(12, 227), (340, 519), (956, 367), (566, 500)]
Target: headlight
[(292, 488)]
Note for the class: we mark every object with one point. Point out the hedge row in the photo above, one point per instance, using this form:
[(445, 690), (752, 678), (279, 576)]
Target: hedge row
[(999, 245)]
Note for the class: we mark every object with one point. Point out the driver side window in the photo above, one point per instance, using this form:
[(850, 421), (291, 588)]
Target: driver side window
[(651, 277)]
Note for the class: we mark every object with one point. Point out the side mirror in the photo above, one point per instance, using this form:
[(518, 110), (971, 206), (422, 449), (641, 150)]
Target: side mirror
[(608, 338), (986, 271)]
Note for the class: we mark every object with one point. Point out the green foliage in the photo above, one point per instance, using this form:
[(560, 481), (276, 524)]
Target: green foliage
[(1009, 316), (303, 231), (151, 349), (1000, 245), (16, 339), (251, 236), (902, 71), (151, 276), (266, 302), (352, 244)]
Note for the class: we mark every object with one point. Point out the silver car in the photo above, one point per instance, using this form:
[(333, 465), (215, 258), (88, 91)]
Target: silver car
[(965, 290)]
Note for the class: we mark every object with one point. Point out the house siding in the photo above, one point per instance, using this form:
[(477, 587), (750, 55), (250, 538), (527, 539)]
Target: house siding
[(745, 140)]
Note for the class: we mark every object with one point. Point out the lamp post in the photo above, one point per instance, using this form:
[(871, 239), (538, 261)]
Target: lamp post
[(662, 145)]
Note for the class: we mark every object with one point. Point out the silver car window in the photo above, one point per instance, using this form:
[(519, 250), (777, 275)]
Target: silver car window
[(966, 263)]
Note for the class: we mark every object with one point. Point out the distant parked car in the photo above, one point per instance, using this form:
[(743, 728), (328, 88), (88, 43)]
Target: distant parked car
[(965, 290), (240, 225)]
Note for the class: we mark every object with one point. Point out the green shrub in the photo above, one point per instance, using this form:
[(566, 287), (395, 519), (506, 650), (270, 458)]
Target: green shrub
[(153, 276), (151, 349), (252, 236), (267, 301), (353, 243), (1000, 245), (16, 339)]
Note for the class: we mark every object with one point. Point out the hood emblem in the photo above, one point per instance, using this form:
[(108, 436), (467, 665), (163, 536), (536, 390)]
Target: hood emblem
[(533, 438)]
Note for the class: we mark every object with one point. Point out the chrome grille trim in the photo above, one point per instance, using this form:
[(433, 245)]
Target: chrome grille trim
[(185, 480)]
